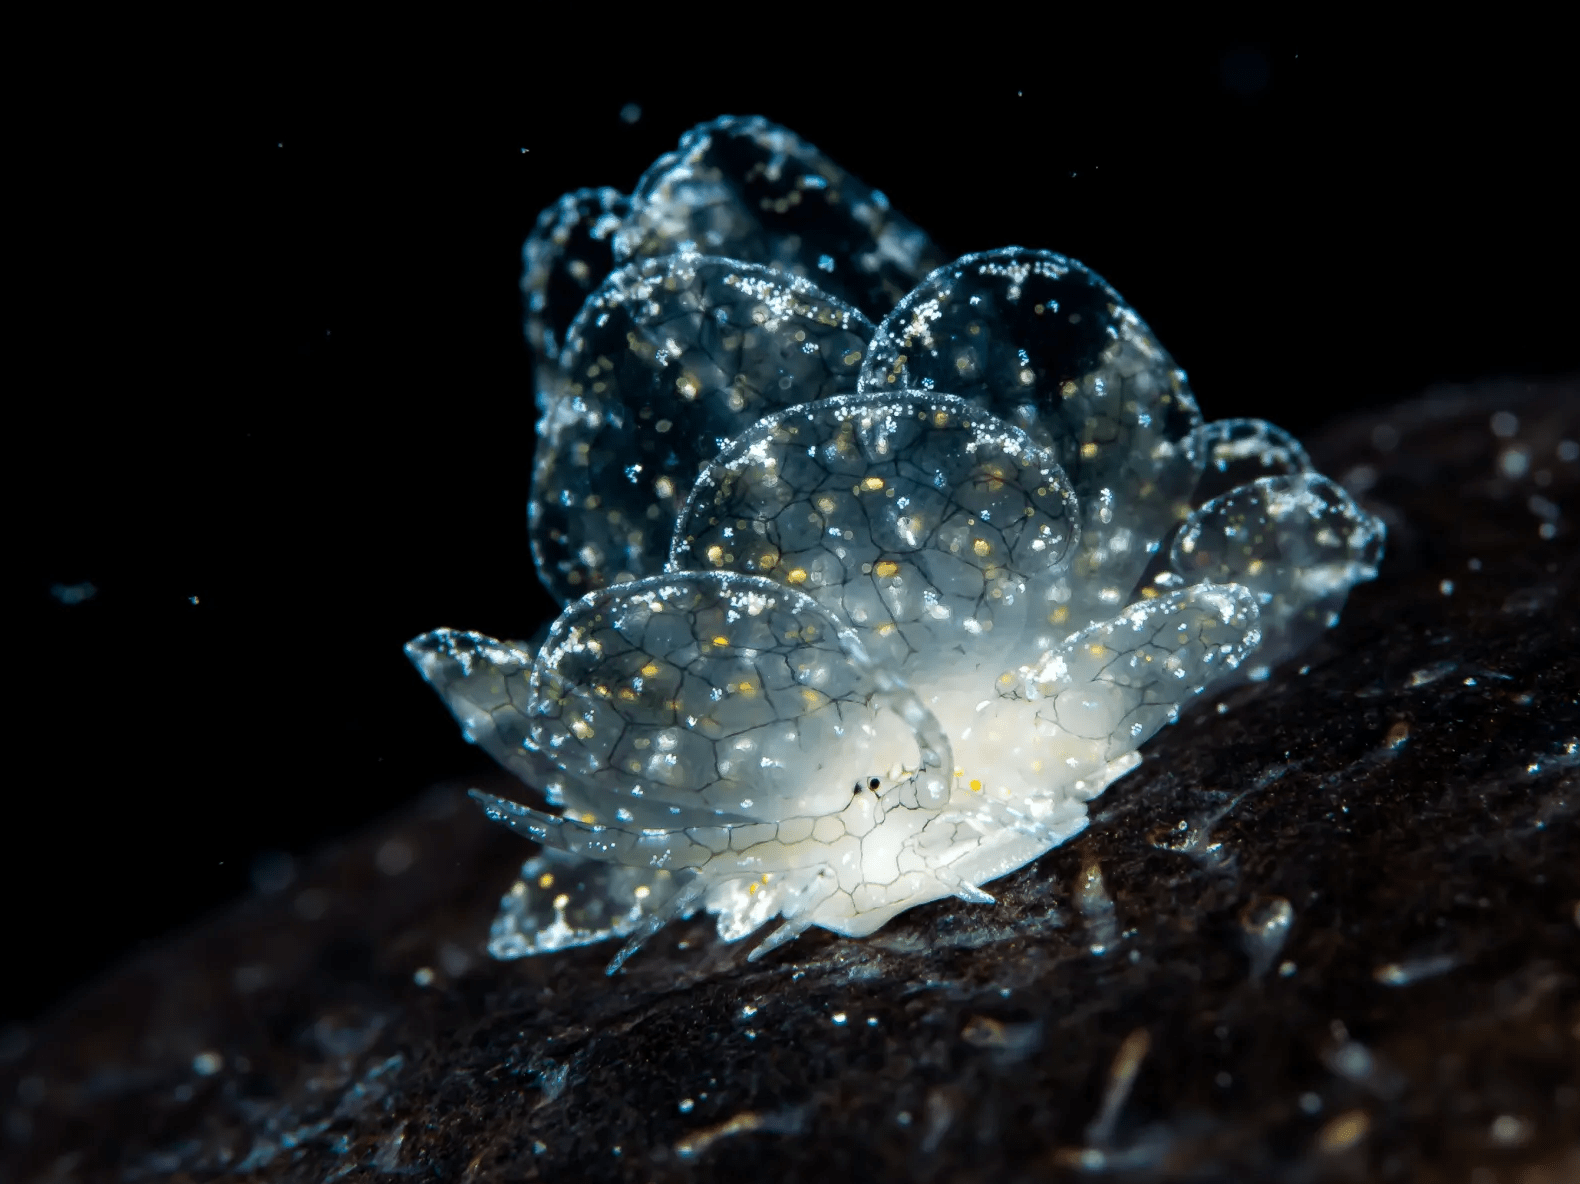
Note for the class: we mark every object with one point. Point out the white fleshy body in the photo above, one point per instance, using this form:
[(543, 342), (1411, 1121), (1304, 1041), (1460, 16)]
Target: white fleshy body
[(867, 614)]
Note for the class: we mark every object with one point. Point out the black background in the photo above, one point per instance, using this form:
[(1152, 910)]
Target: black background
[(272, 361)]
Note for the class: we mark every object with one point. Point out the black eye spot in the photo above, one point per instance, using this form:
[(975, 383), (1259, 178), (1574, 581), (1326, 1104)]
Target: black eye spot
[(874, 783)]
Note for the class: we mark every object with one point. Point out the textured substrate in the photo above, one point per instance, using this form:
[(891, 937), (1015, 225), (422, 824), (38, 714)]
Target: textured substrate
[(1330, 929)]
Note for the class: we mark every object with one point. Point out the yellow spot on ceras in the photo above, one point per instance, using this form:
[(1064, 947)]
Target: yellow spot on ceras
[(581, 729), (976, 786), (982, 547), (546, 880), (721, 640), (1088, 451), (796, 575), (1059, 615), (561, 901), (642, 892), (1096, 650), (872, 483), (664, 487), (826, 504), (1254, 568), (885, 568), (649, 670), (688, 386), (715, 554)]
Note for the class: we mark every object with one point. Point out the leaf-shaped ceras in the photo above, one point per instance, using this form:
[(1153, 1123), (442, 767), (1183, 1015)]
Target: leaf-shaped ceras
[(935, 528), (726, 722), (1298, 541), (567, 255), (747, 188), (1045, 343), (668, 361), (723, 695)]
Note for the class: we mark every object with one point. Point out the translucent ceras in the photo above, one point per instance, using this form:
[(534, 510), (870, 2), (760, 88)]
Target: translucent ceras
[(876, 568)]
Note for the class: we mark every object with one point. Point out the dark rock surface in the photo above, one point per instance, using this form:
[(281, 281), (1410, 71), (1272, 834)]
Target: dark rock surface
[(1330, 929)]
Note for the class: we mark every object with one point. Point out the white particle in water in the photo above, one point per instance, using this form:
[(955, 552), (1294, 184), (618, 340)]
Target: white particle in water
[(1505, 425)]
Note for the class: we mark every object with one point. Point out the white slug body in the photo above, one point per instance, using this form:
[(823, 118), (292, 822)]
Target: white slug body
[(866, 615)]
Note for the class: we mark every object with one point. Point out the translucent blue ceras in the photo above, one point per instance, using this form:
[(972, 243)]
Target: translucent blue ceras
[(876, 568)]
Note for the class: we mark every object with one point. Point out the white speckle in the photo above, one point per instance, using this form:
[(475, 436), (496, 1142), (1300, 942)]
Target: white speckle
[(394, 857), (687, 1105), (1509, 1130), (1505, 425), (207, 1063), (838, 1017), (1402, 974), (423, 976), (1446, 587)]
